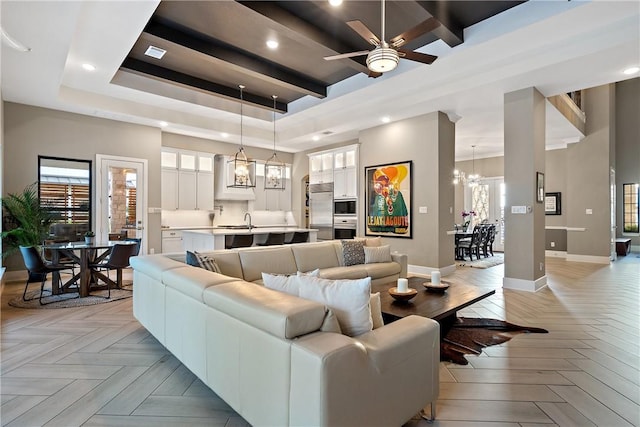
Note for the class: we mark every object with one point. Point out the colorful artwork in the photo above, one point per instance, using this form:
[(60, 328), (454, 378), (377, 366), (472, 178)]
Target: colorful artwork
[(388, 200)]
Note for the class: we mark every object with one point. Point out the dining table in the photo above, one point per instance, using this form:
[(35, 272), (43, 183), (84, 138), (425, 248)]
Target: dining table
[(84, 254)]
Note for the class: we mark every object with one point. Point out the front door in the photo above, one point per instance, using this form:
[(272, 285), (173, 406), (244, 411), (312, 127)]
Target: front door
[(121, 198)]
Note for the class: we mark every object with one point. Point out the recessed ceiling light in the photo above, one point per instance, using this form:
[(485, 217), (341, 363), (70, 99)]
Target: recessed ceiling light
[(631, 70), (272, 44), (155, 52), (386, 119), (88, 67), (163, 124), (335, 3), (316, 138), (224, 135)]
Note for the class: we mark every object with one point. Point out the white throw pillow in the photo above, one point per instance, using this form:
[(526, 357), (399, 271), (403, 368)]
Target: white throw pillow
[(286, 283), (376, 311), (348, 299), (377, 254)]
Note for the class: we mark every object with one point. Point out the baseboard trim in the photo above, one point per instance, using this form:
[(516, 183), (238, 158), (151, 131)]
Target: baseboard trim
[(421, 270), (588, 258), (524, 285)]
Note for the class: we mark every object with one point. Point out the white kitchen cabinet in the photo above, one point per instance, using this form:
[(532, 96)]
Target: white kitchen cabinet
[(321, 168), (187, 180), (223, 175), (345, 183), (271, 200), (172, 241)]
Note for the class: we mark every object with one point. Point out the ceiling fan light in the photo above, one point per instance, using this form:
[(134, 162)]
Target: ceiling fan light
[(382, 59)]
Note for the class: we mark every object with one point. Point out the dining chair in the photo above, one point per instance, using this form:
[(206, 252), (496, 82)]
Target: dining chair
[(471, 245), (117, 260), (38, 270), (137, 245), (487, 244)]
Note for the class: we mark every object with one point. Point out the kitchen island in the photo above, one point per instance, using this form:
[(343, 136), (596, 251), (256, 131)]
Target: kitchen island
[(213, 239)]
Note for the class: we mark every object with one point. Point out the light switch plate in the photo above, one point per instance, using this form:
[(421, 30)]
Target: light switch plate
[(518, 209), (589, 211), (422, 209)]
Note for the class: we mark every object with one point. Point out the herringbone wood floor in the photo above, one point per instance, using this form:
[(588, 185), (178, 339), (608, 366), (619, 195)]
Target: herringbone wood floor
[(96, 366)]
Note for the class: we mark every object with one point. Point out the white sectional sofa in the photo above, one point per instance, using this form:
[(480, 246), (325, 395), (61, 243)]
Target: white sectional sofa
[(265, 353)]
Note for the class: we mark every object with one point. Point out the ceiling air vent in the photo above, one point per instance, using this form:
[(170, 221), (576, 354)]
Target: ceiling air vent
[(155, 52), (327, 132)]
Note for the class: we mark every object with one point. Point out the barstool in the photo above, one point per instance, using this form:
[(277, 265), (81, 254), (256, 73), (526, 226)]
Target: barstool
[(238, 241), (273, 239), (298, 237)]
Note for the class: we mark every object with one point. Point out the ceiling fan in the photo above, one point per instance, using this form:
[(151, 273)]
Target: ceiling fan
[(385, 56)]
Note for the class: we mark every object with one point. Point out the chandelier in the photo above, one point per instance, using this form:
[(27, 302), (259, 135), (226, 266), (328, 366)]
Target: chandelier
[(472, 179), (274, 169), (244, 170)]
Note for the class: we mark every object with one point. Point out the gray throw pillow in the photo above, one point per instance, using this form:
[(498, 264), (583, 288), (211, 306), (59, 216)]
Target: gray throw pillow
[(203, 261), (352, 252)]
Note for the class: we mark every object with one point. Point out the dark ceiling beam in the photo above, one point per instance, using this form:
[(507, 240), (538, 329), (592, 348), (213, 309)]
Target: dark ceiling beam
[(450, 31), (312, 34), (255, 67), (233, 93)]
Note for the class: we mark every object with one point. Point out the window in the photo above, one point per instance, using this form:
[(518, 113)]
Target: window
[(631, 208), (65, 191)]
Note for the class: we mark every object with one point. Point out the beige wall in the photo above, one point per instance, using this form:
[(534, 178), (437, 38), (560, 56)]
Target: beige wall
[(627, 142), (419, 139), (32, 131)]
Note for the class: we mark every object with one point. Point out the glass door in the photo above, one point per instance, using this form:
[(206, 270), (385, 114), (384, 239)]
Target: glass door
[(121, 200)]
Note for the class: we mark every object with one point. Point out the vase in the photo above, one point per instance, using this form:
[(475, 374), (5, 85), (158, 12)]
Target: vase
[(470, 226)]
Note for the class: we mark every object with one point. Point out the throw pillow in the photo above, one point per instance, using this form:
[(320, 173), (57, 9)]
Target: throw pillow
[(377, 254), (286, 283), (376, 311), (373, 241), (203, 261), (352, 252), (348, 299)]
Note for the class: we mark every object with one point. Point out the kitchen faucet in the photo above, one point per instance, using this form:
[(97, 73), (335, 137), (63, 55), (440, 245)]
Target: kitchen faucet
[(245, 218)]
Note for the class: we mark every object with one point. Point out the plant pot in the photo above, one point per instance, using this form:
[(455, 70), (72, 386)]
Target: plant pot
[(88, 240)]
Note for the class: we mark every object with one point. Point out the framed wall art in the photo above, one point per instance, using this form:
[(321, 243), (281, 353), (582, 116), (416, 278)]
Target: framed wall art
[(552, 204), (388, 200)]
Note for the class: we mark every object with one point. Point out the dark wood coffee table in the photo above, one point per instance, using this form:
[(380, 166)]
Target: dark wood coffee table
[(440, 306)]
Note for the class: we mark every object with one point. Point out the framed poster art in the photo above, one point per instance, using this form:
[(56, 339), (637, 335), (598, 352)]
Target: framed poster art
[(552, 204), (388, 200), (539, 187)]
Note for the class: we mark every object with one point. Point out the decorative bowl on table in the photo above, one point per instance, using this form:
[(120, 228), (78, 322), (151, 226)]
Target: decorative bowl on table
[(402, 296), (432, 287)]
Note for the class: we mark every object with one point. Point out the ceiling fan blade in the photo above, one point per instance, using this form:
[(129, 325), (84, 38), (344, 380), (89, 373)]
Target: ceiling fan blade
[(364, 32), (422, 28), (346, 55), (417, 56)]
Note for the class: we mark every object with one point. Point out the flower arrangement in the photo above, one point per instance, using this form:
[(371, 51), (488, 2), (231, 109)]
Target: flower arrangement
[(465, 218), (89, 234)]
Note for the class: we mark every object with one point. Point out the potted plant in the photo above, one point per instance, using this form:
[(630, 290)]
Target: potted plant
[(26, 222), (89, 236)]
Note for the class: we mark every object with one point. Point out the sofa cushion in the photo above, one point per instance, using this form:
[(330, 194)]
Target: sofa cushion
[(377, 254), (370, 241), (192, 281), (353, 272), (382, 269), (348, 299), (352, 252), (310, 256), (272, 260), (280, 314)]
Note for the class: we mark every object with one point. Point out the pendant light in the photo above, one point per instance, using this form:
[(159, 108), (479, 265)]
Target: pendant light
[(274, 169), (244, 170), (474, 179)]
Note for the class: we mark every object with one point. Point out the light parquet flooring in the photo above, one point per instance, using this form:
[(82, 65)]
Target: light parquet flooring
[(97, 366)]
